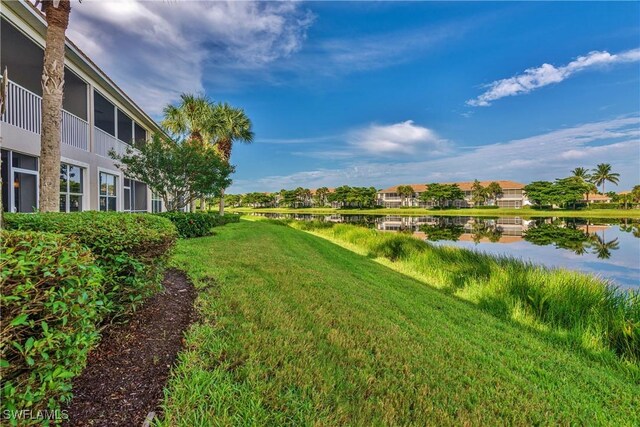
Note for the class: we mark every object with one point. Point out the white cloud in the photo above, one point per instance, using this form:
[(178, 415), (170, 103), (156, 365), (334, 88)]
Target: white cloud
[(546, 74), (399, 138), (541, 157), (156, 50)]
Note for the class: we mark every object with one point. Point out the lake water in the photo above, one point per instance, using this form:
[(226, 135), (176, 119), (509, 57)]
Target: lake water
[(609, 248)]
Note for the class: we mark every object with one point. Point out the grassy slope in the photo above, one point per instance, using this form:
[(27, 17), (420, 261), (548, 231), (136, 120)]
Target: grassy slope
[(297, 330), (525, 213)]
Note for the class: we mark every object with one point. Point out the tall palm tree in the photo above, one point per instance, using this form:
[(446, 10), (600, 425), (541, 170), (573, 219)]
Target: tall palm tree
[(57, 16), (193, 119), (602, 173), (230, 125), (405, 192), (587, 179), (602, 248)]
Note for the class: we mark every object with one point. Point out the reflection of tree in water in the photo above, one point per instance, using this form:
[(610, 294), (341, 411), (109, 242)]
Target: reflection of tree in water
[(444, 229), (602, 248), (571, 238), (630, 226), (488, 229)]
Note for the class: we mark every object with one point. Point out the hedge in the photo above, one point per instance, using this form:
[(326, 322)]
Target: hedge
[(51, 296), (131, 249), (197, 224)]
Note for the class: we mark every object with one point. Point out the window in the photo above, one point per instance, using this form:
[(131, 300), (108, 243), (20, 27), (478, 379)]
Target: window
[(19, 182), (135, 196), (71, 188), (104, 114), (108, 192), (140, 133), (156, 203), (125, 128)]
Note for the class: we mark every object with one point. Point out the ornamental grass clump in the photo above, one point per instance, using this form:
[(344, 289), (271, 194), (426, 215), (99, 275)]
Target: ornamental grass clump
[(52, 300), (131, 249)]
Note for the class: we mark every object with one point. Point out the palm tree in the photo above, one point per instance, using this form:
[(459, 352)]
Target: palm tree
[(586, 177), (602, 173), (321, 196), (57, 16), (193, 119), (230, 125), (494, 191), (405, 191)]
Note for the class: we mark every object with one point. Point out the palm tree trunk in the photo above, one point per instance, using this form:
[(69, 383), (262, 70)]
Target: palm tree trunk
[(221, 212), (52, 93)]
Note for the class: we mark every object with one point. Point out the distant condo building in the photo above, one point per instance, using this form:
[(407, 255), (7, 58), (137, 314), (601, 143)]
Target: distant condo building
[(513, 196)]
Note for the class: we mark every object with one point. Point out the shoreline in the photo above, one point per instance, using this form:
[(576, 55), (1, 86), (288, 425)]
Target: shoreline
[(524, 213)]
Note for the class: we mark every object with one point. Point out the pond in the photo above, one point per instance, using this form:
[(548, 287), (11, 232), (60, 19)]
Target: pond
[(609, 248)]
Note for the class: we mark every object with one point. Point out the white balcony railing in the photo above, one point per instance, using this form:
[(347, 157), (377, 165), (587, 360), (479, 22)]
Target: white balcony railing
[(75, 131), (105, 142), (24, 110)]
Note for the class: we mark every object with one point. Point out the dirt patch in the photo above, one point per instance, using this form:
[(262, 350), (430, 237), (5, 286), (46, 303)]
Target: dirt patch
[(125, 375)]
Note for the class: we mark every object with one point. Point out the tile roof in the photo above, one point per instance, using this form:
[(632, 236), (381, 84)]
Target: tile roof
[(464, 186)]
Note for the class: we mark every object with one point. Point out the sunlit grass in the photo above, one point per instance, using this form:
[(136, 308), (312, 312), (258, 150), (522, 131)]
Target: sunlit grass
[(578, 307), (295, 330)]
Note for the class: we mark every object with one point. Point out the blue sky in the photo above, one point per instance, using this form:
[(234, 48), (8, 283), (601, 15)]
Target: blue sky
[(375, 93)]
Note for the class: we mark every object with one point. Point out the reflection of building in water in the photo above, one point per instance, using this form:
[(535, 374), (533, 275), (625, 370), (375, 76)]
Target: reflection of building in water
[(504, 230)]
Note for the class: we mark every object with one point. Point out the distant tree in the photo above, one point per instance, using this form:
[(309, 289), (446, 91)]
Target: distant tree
[(541, 193), (602, 173), (494, 191), (568, 191), (320, 198), (303, 196), (442, 193), (405, 192), (177, 170), (340, 196), (635, 193), (478, 193)]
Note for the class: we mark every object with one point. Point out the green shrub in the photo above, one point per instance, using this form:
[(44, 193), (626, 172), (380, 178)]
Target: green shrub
[(197, 224), (487, 207), (51, 302), (597, 206), (131, 249)]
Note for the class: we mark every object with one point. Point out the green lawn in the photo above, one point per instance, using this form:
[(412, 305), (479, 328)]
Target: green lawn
[(295, 330), (525, 213)]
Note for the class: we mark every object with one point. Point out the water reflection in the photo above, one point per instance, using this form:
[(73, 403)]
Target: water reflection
[(608, 247)]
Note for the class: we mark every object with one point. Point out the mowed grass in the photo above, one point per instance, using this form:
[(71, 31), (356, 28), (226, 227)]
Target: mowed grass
[(295, 330), (522, 213)]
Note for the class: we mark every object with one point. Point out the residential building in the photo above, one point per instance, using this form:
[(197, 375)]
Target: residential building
[(97, 117), (512, 196)]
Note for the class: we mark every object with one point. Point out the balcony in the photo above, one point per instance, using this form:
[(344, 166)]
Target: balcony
[(105, 142), (24, 110)]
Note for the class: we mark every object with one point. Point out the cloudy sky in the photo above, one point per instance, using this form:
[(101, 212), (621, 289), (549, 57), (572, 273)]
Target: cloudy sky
[(375, 93)]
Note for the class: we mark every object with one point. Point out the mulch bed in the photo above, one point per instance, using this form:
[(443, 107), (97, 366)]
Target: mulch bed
[(125, 375)]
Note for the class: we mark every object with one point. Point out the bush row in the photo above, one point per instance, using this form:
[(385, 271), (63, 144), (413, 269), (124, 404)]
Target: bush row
[(58, 289), (130, 249), (52, 299), (197, 224)]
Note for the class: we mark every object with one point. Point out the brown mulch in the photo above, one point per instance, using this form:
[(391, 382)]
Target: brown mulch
[(125, 375)]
